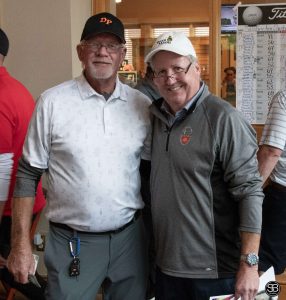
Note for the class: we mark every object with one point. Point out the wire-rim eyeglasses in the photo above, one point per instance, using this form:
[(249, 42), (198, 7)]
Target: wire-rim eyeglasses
[(110, 47), (162, 75)]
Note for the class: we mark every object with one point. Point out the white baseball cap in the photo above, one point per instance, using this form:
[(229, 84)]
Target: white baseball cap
[(176, 42)]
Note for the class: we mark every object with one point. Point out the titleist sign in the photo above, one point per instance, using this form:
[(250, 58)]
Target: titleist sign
[(278, 13), (265, 14)]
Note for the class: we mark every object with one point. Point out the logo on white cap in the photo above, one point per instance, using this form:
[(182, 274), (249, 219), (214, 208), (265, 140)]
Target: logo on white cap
[(176, 42), (165, 41)]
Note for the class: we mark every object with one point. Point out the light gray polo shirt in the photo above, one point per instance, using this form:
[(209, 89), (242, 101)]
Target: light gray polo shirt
[(92, 150), (274, 134)]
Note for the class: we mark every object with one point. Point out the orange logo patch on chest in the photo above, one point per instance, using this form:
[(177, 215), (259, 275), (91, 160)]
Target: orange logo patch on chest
[(186, 135)]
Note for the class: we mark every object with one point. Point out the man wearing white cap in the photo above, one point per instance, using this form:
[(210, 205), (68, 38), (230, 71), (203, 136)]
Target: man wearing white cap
[(205, 185)]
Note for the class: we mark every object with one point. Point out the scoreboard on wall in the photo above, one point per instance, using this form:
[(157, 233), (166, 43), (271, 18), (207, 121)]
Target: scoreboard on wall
[(261, 58)]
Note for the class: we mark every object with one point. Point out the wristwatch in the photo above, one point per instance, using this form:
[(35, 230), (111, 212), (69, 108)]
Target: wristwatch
[(251, 259)]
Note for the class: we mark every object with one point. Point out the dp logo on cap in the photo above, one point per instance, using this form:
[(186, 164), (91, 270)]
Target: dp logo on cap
[(272, 288), (105, 20)]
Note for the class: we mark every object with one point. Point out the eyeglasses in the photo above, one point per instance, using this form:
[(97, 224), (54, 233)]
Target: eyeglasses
[(110, 47), (177, 71)]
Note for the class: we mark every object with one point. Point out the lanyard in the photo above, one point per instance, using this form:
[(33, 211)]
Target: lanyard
[(74, 252)]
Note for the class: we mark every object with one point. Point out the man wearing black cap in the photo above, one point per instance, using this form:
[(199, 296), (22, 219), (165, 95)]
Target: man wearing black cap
[(16, 108), (88, 135)]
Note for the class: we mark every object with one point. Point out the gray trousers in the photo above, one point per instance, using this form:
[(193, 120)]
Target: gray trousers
[(117, 262)]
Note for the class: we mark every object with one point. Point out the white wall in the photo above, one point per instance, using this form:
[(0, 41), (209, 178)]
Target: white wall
[(43, 36), (80, 11)]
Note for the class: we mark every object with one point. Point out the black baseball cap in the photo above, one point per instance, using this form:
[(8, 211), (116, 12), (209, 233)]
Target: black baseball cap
[(4, 43), (103, 23)]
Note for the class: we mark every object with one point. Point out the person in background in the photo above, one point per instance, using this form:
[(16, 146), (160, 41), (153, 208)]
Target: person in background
[(16, 108), (147, 86), (206, 190), (272, 166), (6, 159), (229, 85), (125, 66), (89, 134)]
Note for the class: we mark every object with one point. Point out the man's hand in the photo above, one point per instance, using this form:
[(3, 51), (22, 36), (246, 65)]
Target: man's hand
[(247, 282), (20, 263)]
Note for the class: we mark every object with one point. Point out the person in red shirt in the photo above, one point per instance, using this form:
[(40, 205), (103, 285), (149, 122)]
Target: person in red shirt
[(16, 107)]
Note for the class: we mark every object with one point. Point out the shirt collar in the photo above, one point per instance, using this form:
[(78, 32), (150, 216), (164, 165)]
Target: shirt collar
[(87, 92)]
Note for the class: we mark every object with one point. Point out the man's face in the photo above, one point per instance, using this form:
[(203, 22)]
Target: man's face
[(229, 75), (101, 56), (176, 78)]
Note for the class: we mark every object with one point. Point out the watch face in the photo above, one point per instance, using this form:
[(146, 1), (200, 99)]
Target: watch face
[(252, 259)]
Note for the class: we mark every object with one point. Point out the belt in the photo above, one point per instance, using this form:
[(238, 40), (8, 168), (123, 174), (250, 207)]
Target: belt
[(66, 227), (277, 186)]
